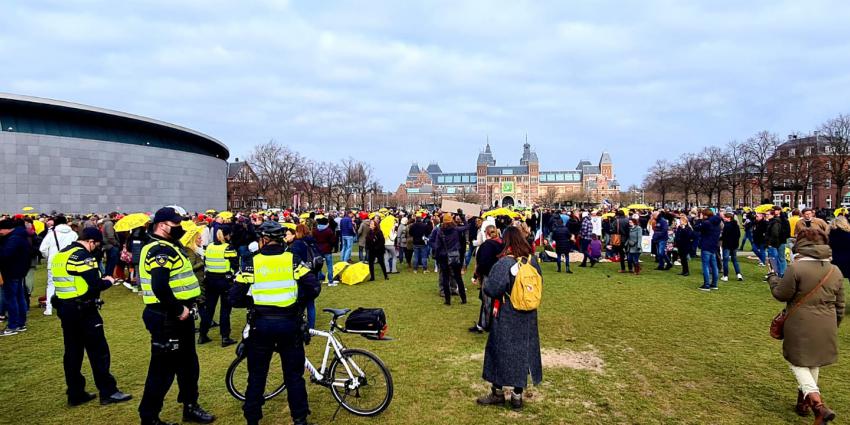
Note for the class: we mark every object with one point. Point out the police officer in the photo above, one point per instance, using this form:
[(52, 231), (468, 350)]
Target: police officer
[(280, 286), (78, 283), (169, 290), (220, 261)]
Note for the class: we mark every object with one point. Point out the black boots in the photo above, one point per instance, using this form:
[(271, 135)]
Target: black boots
[(194, 413), (203, 339), (227, 341), (516, 401), (156, 421)]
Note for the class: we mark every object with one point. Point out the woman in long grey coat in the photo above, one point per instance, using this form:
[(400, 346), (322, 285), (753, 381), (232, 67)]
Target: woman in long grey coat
[(513, 345), (811, 330)]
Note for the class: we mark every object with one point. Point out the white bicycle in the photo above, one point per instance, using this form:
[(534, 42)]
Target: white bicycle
[(358, 379)]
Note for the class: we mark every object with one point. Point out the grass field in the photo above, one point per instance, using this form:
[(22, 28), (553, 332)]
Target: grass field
[(618, 349)]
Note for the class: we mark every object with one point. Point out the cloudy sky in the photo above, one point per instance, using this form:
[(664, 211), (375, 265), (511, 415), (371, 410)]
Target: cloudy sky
[(392, 82)]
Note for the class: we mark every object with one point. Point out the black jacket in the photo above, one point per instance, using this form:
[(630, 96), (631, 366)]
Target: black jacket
[(730, 236), (562, 237)]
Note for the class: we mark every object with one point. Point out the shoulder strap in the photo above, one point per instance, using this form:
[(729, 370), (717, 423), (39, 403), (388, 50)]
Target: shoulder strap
[(56, 238), (805, 297)]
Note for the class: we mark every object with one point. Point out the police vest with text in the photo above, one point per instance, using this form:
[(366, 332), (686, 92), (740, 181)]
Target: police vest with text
[(273, 280), (67, 273), (217, 258), (181, 279)]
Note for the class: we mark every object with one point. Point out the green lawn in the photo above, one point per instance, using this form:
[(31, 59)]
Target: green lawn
[(619, 349)]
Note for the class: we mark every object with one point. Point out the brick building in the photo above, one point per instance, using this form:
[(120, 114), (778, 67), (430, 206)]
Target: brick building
[(522, 185), (801, 173)]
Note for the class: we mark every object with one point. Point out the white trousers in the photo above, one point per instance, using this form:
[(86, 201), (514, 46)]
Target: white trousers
[(51, 289), (807, 378)]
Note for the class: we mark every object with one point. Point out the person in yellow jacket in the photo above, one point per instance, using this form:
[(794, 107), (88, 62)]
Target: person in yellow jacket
[(220, 261), (280, 286), (78, 284), (169, 289)]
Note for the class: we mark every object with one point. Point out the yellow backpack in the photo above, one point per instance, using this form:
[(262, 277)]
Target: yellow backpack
[(528, 287)]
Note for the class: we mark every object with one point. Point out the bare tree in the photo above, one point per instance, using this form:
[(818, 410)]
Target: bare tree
[(659, 179), (837, 134), (759, 151), (735, 168), (469, 196), (711, 172), (550, 196)]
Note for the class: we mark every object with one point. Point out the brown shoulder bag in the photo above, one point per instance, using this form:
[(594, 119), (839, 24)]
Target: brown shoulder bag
[(777, 325)]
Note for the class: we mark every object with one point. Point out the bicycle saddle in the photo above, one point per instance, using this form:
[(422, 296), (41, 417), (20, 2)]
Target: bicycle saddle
[(337, 312)]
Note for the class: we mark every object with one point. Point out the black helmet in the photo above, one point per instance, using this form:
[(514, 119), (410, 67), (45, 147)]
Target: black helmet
[(271, 229)]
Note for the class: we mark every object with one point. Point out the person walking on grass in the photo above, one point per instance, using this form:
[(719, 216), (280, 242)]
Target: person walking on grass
[(513, 345), (14, 266), (446, 242), (585, 235), (839, 241), (729, 238), (562, 238), (375, 249), (684, 242), (813, 291), (486, 256), (659, 241)]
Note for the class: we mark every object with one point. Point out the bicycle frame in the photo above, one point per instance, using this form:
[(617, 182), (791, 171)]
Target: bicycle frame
[(319, 374)]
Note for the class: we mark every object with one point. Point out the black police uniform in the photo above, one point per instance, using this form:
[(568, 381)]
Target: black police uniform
[(172, 342), (82, 331), (281, 330)]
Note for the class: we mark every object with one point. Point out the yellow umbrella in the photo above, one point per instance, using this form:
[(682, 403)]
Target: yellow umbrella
[(387, 225), (351, 274), (840, 211), (28, 208), (304, 216), (209, 211), (763, 208), (192, 231), (383, 210), (501, 211), (38, 226), (288, 225), (608, 215), (227, 215), (639, 207), (131, 222)]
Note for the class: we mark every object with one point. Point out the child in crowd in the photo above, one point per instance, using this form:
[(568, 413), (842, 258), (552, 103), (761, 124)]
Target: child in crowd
[(594, 250)]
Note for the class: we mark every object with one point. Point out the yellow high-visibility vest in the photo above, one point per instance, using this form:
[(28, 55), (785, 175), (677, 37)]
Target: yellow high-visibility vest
[(273, 280), (184, 285), (217, 258), (67, 273)]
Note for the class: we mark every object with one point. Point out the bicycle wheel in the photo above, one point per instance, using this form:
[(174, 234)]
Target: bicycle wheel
[(375, 390), (236, 378)]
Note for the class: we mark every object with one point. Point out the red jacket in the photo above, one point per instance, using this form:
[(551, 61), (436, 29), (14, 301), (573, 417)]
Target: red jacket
[(325, 240)]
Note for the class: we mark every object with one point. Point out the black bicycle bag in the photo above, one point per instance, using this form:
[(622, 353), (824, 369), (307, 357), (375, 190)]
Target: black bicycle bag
[(367, 321)]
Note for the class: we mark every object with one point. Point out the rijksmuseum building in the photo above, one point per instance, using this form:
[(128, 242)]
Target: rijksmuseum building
[(520, 185)]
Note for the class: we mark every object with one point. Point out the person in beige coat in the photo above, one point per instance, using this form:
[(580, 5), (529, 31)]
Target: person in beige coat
[(809, 220), (811, 330)]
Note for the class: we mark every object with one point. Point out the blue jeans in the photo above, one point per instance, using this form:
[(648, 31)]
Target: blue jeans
[(709, 267), (733, 254), (661, 252), (15, 302), (748, 236), (111, 260), (420, 257), (634, 259), (469, 255), (329, 262), (760, 253), (311, 314), (779, 255), (347, 243)]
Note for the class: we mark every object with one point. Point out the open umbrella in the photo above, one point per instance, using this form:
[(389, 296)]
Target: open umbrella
[(132, 221), (227, 215), (639, 207), (607, 215), (38, 226), (304, 216), (210, 211), (27, 208), (840, 211), (387, 225), (501, 211), (763, 208), (351, 274), (288, 225)]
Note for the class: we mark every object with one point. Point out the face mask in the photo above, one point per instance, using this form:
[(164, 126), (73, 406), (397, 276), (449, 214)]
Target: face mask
[(176, 232)]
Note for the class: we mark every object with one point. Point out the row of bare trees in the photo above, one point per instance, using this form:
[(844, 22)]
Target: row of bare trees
[(744, 173), (285, 177)]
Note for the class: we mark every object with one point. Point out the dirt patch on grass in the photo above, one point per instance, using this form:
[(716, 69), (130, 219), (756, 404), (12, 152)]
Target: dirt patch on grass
[(581, 360), (563, 358)]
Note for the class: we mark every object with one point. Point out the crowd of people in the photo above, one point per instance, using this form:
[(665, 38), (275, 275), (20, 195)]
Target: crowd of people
[(219, 247)]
